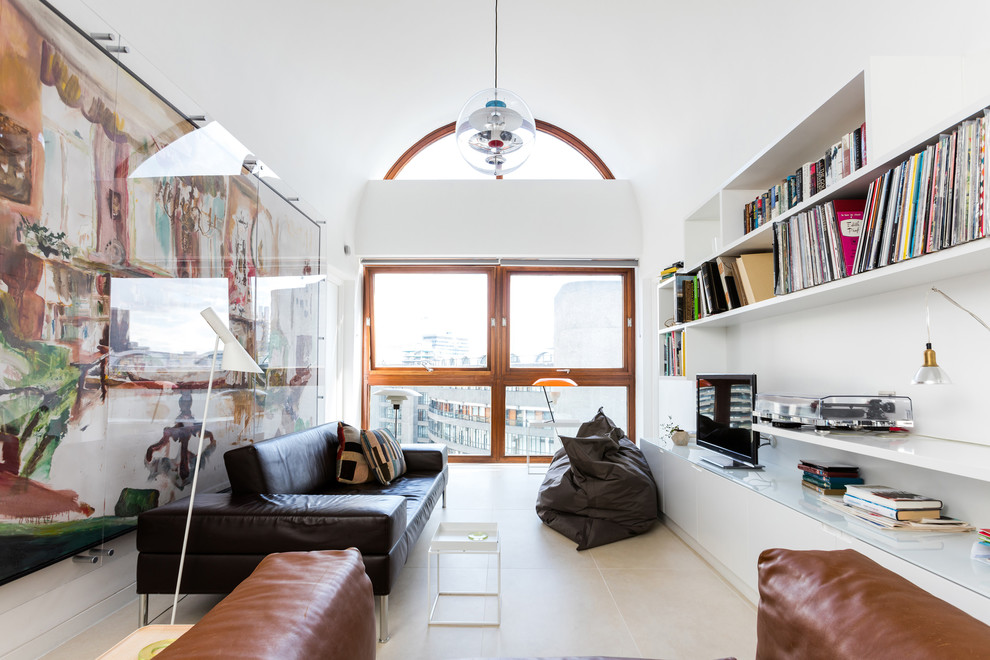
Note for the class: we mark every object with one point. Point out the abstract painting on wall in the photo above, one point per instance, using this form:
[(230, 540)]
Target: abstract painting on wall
[(104, 360)]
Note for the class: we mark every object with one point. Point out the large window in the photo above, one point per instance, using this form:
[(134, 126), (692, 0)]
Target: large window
[(452, 354)]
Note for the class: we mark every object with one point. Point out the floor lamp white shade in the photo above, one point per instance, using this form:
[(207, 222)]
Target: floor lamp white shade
[(235, 358)]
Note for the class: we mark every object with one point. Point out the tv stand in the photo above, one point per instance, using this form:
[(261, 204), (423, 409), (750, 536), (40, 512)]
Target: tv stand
[(727, 463)]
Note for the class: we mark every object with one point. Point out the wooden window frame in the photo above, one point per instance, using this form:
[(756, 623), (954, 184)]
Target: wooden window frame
[(499, 374), (541, 126)]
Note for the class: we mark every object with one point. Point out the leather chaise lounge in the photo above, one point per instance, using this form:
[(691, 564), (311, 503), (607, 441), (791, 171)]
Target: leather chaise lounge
[(285, 497)]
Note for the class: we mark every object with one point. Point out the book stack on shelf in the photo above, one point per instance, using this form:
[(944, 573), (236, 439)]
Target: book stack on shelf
[(673, 354), (722, 284), (827, 478), (817, 245), (981, 549), (933, 200), (839, 161), (895, 509), (670, 270)]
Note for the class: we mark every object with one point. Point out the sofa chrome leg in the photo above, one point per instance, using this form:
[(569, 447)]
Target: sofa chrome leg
[(383, 618), (444, 498), (142, 609)]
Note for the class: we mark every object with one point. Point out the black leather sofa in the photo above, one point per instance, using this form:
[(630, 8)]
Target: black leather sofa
[(285, 497)]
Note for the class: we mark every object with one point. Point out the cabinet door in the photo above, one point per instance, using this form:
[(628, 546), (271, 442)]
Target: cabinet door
[(773, 525), (679, 500), (723, 520)]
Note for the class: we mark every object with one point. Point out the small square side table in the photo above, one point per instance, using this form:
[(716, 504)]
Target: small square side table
[(464, 538)]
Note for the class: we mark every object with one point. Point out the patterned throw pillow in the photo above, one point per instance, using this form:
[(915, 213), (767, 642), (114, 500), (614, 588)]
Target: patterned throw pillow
[(384, 455), (352, 467)]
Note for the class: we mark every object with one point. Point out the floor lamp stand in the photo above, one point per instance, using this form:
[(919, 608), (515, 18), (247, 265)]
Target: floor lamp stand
[(192, 495)]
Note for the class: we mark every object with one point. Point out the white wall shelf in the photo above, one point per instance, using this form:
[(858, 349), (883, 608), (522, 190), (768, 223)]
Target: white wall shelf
[(945, 555), (959, 458), (959, 260)]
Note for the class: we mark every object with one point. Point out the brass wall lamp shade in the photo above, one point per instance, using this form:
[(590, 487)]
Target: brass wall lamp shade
[(930, 373)]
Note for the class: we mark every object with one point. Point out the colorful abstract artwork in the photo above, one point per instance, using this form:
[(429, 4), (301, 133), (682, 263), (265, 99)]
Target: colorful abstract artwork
[(104, 359)]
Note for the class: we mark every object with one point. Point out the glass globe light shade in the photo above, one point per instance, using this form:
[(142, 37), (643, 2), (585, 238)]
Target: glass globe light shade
[(495, 131)]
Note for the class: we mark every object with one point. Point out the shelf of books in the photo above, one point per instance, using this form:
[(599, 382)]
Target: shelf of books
[(965, 459), (943, 553), (865, 227)]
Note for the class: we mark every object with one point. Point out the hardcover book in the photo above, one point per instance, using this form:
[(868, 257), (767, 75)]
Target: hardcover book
[(893, 497), (896, 514)]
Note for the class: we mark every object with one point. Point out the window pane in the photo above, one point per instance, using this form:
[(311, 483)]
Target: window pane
[(528, 429), (552, 159), (459, 417), (566, 321), (431, 320)]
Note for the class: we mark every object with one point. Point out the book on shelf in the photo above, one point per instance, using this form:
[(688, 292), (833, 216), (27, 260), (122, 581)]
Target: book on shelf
[(673, 354), (897, 514), (831, 482), (754, 272), (713, 293), (893, 497), (818, 467), (840, 160), (727, 273), (670, 270), (822, 490), (685, 297), (932, 523)]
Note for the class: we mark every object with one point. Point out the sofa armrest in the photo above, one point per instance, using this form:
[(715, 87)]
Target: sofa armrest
[(294, 605), (839, 605), (261, 524), (425, 457)]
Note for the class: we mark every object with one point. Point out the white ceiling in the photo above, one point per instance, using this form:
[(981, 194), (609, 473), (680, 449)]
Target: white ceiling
[(674, 96)]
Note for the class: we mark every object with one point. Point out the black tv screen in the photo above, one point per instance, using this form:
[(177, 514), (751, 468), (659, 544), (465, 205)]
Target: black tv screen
[(725, 419)]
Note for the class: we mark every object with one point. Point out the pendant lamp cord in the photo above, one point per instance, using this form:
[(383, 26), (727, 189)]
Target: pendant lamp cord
[(496, 44)]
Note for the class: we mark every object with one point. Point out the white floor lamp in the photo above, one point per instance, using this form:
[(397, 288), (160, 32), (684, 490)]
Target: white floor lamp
[(235, 358)]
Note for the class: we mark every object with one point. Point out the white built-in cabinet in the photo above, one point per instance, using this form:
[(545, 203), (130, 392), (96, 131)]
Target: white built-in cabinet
[(858, 335)]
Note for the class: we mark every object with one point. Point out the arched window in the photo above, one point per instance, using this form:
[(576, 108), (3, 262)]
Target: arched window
[(559, 155)]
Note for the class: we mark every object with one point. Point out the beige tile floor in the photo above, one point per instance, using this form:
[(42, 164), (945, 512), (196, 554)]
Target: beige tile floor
[(650, 596)]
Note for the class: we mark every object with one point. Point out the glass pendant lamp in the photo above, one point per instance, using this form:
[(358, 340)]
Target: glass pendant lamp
[(495, 130)]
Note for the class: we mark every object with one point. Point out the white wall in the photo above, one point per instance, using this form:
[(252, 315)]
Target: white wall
[(505, 218)]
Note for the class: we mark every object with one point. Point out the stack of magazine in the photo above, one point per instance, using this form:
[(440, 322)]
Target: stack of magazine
[(895, 509)]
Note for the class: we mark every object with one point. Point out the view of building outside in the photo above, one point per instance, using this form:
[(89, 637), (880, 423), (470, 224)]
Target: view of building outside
[(562, 321)]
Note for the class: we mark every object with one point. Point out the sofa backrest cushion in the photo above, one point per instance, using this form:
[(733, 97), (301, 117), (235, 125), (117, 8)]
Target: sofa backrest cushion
[(841, 605), (296, 463)]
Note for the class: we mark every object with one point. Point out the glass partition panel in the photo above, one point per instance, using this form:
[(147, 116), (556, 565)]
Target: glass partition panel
[(430, 320), (531, 431), (566, 321), (116, 230), (459, 417)]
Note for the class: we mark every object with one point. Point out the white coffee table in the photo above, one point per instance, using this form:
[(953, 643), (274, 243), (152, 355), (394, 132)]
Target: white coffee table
[(464, 539)]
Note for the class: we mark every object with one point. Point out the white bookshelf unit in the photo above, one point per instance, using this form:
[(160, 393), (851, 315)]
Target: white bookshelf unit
[(861, 334)]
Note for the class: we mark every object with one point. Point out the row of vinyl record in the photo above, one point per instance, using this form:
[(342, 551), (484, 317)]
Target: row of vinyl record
[(933, 200), (722, 284), (839, 161), (817, 245)]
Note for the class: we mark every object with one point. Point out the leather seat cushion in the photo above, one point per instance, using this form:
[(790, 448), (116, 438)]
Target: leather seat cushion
[(263, 524)]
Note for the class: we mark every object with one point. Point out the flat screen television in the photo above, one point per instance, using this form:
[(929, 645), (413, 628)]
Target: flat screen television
[(725, 420)]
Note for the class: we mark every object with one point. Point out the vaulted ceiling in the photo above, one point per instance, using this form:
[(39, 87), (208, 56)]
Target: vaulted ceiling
[(673, 95)]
